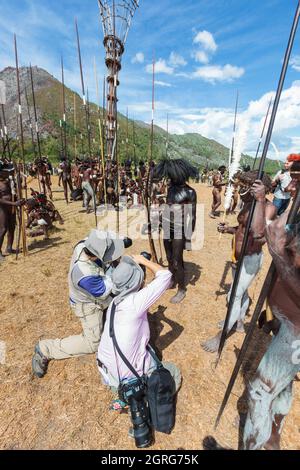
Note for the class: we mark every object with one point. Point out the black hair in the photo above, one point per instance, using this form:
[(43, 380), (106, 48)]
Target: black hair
[(178, 171), (249, 177)]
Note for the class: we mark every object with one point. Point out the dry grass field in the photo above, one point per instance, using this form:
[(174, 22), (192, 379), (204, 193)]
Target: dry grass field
[(69, 408)]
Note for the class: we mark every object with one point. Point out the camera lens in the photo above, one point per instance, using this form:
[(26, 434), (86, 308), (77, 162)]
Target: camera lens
[(140, 421), (146, 255)]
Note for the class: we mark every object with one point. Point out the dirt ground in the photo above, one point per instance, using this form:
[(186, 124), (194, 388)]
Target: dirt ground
[(69, 408)]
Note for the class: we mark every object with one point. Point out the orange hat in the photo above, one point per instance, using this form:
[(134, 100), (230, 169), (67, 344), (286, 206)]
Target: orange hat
[(294, 157)]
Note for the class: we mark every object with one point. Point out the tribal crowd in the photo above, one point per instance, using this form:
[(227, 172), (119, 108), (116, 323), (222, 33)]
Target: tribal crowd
[(108, 286)]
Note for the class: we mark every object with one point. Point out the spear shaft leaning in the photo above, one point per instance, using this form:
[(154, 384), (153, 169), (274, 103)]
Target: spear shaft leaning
[(260, 175)]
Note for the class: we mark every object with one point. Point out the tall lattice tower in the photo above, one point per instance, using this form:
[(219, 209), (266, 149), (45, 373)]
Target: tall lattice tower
[(116, 20)]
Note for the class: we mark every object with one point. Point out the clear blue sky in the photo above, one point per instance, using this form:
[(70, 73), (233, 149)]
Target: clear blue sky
[(205, 50)]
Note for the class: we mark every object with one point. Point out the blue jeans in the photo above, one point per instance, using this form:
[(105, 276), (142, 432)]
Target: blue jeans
[(281, 205)]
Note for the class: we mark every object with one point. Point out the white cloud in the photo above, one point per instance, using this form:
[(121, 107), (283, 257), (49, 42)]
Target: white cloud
[(217, 73), (216, 123), (163, 84), (206, 40), (295, 63), (139, 58), (176, 60), (200, 56), (161, 66)]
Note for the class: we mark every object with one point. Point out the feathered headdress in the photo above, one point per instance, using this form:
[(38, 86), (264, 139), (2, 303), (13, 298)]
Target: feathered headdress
[(235, 164), (178, 171), (294, 157)]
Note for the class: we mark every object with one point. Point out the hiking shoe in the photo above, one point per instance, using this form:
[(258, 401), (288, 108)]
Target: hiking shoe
[(39, 363)]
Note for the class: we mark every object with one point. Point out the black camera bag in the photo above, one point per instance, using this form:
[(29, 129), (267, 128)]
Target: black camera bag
[(160, 387), (161, 391)]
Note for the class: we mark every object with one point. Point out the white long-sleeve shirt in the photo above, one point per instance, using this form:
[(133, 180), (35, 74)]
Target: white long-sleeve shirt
[(132, 330)]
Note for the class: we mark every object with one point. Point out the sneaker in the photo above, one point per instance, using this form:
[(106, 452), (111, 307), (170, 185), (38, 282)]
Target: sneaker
[(39, 363)]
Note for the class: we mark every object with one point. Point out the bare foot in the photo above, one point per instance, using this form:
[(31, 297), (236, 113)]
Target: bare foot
[(212, 345), (181, 294), (210, 443)]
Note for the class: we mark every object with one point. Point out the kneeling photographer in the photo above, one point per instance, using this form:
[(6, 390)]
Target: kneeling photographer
[(126, 361)]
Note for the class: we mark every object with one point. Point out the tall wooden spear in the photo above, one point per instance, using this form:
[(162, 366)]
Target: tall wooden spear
[(5, 131), (133, 140), (262, 133), (75, 130), (83, 91), (20, 114), (167, 142), (100, 125), (87, 120), (2, 138), (37, 130), (260, 175), (64, 118), (149, 179), (30, 123), (22, 229)]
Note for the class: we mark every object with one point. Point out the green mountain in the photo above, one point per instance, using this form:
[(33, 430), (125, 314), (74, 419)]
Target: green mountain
[(133, 137)]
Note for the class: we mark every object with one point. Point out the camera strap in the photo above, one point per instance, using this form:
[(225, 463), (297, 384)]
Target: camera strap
[(113, 336)]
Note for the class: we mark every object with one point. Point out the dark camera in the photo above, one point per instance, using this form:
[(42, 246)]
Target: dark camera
[(146, 255), (133, 393), (127, 242)]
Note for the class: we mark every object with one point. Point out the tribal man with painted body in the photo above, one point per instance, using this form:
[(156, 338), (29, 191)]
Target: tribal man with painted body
[(253, 259), (7, 210), (270, 392), (218, 183), (88, 191), (178, 217), (66, 177)]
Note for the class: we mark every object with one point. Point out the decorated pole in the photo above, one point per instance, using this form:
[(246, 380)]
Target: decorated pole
[(259, 176)]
